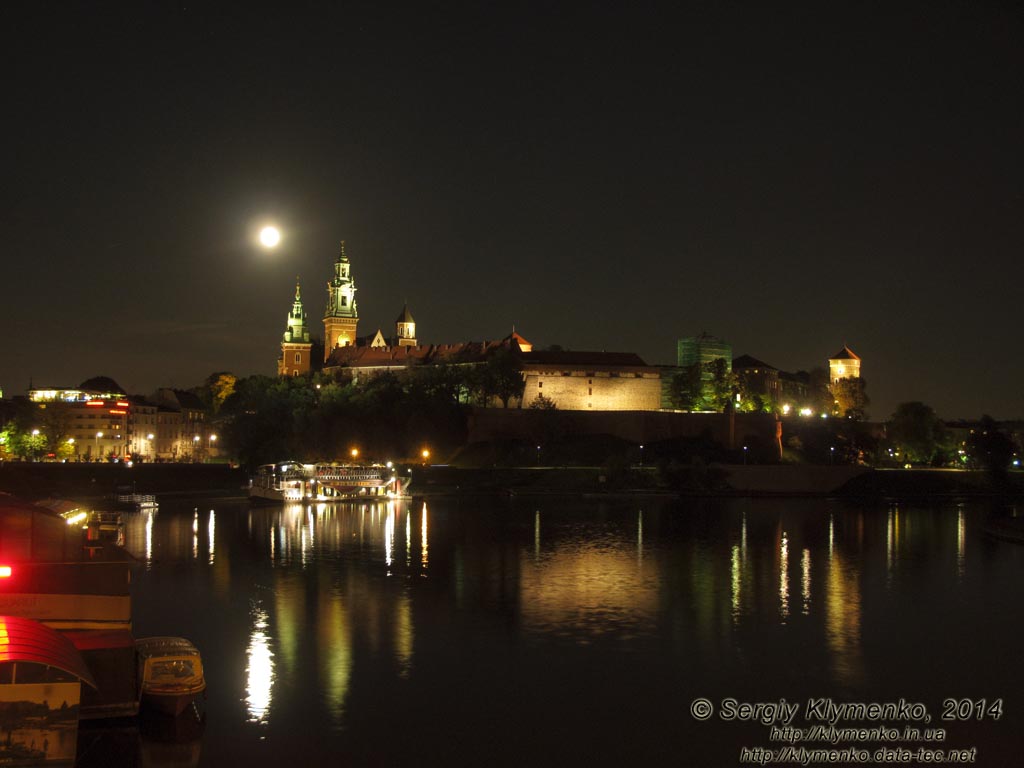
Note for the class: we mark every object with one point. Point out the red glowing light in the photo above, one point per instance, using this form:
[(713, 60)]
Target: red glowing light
[(122, 404), (5, 571), (95, 402), (118, 411)]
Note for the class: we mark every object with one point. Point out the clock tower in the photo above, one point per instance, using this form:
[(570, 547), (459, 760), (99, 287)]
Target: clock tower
[(341, 317)]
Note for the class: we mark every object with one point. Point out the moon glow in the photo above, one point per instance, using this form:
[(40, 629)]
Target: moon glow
[(270, 237)]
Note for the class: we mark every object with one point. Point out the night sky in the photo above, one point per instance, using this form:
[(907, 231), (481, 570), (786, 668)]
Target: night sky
[(790, 177)]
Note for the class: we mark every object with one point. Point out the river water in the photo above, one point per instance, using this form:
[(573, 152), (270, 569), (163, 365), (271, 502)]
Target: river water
[(553, 632)]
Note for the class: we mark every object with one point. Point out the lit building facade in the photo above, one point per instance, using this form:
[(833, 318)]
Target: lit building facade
[(93, 424)]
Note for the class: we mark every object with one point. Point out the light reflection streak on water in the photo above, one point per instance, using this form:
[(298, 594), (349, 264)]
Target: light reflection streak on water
[(195, 534), (423, 538), (961, 540), (736, 583), (211, 528), (408, 537), (149, 539), (831, 535), (273, 548), (403, 635), (536, 536), (805, 580), (640, 539), (334, 649), (259, 670), (784, 578), (389, 536), (743, 539), (843, 620)]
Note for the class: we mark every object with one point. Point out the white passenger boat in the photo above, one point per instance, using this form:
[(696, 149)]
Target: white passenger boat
[(292, 481)]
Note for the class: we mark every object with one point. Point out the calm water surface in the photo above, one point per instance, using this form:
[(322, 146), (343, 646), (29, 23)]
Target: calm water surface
[(477, 632)]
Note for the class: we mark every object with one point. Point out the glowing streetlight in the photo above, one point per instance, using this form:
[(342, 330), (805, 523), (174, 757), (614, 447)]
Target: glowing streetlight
[(425, 454), (354, 453), (270, 237)]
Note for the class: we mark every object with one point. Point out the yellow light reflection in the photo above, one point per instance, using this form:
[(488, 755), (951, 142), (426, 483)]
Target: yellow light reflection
[(585, 590), (423, 538), (961, 541), (736, 583), (149, 539), (640, 539), (408, 539), (195, 534), (843, 620), (334, 638), (784, 578), (403, 635), (536, 536), (289, 619), (211, 528), (259, 671), (389, 537), (805, 580)]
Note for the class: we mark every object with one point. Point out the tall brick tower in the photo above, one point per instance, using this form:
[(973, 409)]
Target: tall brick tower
[(341, 316), (295, 344)]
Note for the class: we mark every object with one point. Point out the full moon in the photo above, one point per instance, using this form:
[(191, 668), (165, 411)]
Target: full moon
[(270, 236)]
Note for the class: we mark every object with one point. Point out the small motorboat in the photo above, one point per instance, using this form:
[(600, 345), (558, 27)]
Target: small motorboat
[(170, 673)]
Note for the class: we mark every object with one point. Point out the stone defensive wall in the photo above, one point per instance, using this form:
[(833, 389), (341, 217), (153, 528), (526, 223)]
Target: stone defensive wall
[(730, 430)]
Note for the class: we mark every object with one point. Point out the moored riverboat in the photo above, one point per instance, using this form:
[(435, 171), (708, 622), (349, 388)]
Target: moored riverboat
[(292, 481), (170, 674)]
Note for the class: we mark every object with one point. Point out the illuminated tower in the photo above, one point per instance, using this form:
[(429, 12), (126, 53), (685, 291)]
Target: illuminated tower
[(341, 317), (844, 364), (295, 344), (405, 329)]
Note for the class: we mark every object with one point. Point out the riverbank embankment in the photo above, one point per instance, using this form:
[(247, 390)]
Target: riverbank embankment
[(85, 482), (95, 482)]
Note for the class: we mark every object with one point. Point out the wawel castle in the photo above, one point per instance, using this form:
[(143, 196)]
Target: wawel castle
[(600, 381), (573, 381)]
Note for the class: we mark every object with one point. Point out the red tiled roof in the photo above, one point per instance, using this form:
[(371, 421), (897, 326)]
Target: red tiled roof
[(844, 354)]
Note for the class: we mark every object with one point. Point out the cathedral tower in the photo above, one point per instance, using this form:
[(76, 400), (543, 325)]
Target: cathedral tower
[(341, 317), (295, 344), (405, 329)]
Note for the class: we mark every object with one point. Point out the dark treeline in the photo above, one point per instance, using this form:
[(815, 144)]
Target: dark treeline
[(383, 417)]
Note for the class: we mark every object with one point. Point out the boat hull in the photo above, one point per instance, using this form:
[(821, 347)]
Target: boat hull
[(170, 704)]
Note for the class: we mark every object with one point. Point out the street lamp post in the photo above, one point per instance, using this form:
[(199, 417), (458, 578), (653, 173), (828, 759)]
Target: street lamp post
[(831, 454), (98, 436), (641, 455), (538, 455), (744, 455), (209, 451), (150, 451)]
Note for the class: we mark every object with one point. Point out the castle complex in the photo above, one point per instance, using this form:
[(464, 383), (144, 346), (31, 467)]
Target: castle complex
[(597, 381)]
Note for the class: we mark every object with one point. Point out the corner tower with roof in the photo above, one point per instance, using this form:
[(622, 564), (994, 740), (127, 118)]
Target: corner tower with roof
[(295, 344), (341, 316), (844, 364), (405, 329)]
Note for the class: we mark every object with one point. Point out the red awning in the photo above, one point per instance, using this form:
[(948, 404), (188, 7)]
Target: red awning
[(25, 640)]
